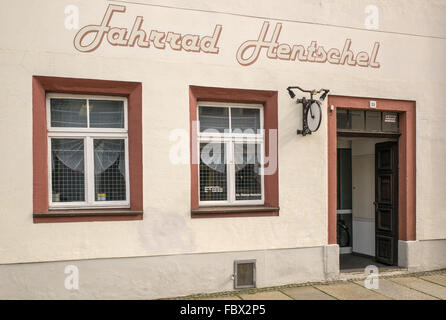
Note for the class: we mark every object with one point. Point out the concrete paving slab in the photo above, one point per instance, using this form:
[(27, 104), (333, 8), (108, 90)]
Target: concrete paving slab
[(396, 291), (422, 285), (222, 298), (437, 278), (350, 291), (306, 293), (265, 295)]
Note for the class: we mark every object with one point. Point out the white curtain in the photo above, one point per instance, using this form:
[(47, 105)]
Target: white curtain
[(242, 158), (70, 152), (213, 155), (106, 152)]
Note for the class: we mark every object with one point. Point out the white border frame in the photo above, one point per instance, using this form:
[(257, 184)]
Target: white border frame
[(88, 135), (229, 139)]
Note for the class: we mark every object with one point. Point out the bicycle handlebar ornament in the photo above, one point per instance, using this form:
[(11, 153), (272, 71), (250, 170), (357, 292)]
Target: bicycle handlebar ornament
[(311, 110)]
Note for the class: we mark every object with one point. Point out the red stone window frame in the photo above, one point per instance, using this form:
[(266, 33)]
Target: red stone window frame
[(41, 85), (271, 182)]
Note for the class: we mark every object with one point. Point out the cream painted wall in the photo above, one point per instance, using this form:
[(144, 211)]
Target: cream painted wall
[(35, 42)]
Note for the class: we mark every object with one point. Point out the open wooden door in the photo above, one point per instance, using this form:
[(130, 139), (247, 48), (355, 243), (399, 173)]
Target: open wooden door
[(386, 202)]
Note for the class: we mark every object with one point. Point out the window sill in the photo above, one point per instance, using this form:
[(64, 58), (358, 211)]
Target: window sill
[(85, 215), (234, 211)]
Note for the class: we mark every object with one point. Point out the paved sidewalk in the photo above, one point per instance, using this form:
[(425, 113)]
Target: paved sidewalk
[(396, 285)]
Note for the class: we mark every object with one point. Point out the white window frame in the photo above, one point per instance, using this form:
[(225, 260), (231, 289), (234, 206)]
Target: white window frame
[(229, 139), (88, 135)]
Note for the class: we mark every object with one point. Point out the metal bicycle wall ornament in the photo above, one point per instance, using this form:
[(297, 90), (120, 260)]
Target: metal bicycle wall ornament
[(311, 110)]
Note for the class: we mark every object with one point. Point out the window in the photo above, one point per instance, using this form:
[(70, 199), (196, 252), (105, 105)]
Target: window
[(81, 198), (231, 149), (87, 151), (234, 152), (367, 121)]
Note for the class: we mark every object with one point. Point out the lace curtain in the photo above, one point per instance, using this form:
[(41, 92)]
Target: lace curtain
[(106, 152), (213, 155)]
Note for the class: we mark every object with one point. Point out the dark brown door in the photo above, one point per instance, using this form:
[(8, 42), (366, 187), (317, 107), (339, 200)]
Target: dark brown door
[(386, 202)]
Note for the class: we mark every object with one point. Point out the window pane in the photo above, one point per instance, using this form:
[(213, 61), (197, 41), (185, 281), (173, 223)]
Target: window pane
[(244, 120), (373, 121), (390, 121), (213, 182), (67, 170), (214, 118), (248, 179), (109, 170), (357, 119), (68, 113), (106, 114), (343, 119)]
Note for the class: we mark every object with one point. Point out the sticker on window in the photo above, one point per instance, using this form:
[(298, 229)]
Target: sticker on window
[(213, 189), (390, 118), (248, 194), (102, 196)]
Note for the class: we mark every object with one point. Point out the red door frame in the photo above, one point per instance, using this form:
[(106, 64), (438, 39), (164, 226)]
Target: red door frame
[(406, 156)]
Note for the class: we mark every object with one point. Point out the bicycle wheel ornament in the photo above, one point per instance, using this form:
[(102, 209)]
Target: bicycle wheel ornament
[(311, 109), (314, 116)]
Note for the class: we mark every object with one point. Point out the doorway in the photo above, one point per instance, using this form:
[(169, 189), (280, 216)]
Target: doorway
[(382, 210), (367, 210)]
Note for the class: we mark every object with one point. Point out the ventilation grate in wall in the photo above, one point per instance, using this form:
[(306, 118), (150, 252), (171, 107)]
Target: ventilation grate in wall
[(244, 274)]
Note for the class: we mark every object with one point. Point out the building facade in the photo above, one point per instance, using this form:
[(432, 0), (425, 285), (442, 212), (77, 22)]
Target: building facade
[(150, 146)]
